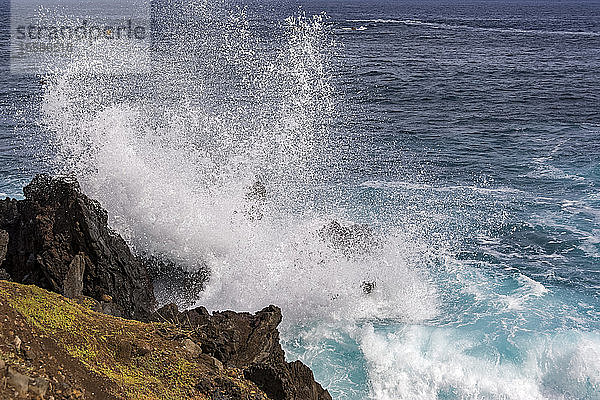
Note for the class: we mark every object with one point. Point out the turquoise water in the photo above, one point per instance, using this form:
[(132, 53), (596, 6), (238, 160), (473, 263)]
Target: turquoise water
[(466, 135)]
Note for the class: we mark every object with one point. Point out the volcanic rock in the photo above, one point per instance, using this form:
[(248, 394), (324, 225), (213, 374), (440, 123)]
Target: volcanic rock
[(250, 343), (59, 239)]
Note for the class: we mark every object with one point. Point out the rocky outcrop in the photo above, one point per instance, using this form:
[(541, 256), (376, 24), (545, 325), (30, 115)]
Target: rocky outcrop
[(59, 239), (250, 343)]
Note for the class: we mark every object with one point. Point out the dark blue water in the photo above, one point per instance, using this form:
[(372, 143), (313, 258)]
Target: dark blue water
[(467, 132)]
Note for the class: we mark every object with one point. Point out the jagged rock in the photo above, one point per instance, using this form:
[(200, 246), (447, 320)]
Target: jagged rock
[(60, 240), (251, 343), (295, 381), (238, 339), (350, 240)]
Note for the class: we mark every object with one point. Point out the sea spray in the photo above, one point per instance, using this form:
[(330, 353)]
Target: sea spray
[(172, 155)]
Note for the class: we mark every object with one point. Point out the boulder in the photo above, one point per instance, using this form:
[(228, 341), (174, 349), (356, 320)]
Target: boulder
[(59, 239)]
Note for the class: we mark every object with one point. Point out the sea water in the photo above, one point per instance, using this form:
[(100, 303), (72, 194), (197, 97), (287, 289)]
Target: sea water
[(465, 134)]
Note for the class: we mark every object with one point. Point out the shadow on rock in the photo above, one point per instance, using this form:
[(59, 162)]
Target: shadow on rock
[(175, 282)]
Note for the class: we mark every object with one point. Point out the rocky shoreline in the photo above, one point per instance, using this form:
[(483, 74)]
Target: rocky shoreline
[(88, 328)]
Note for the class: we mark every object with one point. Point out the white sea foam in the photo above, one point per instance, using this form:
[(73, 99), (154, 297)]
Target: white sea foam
[(449, 188), (174, 168), (428, 363), (353, 28), (436, 25), (549, 171), (528, 288)]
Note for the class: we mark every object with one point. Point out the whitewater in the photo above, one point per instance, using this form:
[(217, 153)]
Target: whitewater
[(486, 274)]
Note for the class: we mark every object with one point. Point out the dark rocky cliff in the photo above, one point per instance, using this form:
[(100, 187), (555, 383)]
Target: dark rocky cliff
[(59, 239), (249, 343)]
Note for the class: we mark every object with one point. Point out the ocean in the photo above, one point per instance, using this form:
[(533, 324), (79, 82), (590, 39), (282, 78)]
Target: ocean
[(465, 134)]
